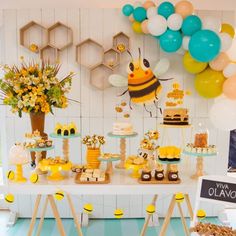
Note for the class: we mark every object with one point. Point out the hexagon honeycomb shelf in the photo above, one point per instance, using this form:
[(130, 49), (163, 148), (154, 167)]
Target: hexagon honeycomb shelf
[(99, 76), (33, 36), (49, 53), (89, 53), (60, 36), (111, 58), (121, 42)]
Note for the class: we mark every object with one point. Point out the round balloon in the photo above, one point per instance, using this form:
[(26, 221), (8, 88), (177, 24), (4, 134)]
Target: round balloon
[(226, 41), (220, 62), (151, 11), (211, 23), (231, 53), (184, 8), (204, 45), (127, 9), (229, 70), (144, 27), (157, 25), (140, 14), (191, 24), (136, 26), (223, 114), (227, 28), (186, 40), (174, 21), (148, 4), (166, 9), (229, 88), (171, 41), (209, 83), (193, 66)]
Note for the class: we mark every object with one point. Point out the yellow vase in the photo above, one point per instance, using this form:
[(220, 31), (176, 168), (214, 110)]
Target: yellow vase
[(92, 158), (19, 174)]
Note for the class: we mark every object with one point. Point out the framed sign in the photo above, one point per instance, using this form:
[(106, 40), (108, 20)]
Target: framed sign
[(218, 189)]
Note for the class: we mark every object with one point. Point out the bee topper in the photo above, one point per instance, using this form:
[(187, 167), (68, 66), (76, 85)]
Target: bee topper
[(144, 86)]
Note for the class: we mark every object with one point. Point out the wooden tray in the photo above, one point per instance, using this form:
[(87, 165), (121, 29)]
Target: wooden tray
[(106, 181), (154, 181)]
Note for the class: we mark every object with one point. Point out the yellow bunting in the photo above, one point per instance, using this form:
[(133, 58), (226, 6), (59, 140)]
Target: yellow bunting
[(59, 195)]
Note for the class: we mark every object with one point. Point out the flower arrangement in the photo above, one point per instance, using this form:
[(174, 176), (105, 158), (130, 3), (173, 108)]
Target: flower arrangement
[(93, 142), (34, 87)]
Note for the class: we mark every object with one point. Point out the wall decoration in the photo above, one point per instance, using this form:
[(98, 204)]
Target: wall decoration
[(49, 41), (176, 28)]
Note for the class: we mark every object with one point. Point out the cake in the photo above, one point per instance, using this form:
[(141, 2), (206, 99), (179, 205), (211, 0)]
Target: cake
[(175, 116), (122, 128)]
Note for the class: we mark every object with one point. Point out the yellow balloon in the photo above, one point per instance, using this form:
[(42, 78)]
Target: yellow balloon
[(193, 66), (209, 83), (136, 26), (227, 28)]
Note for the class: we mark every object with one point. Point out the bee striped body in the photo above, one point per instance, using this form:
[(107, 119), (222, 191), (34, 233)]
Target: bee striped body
[(144, 90)]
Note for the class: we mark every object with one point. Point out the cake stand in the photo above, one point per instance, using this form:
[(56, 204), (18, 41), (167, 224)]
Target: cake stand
[(136, 168), (38, 157), (200, 162), (65, 143), (122, 138), (55, 170), (109, 161)]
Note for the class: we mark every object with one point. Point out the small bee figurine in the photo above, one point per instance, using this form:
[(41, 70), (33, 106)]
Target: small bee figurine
[(65, 130), (72, 128), (58, 129), (143, 85)]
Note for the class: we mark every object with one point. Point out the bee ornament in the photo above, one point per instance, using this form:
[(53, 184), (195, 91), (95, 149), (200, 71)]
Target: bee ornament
[(144, 86)]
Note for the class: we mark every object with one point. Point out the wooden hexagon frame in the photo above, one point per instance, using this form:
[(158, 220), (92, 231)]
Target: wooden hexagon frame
[(49, 47), (121, 42), (55, 27), (111, 58)]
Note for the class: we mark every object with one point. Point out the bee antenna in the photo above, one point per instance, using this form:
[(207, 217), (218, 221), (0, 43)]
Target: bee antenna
[(139, 53), (130, 54)]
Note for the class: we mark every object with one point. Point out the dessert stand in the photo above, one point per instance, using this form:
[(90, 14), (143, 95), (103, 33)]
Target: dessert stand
[(136, 168), (200, 162), (38, 156), (109, 169), (65, 143), (122, 138)]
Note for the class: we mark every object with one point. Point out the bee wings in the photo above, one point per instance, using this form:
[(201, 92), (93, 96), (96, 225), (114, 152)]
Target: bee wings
[(161, 67), (118, 80)]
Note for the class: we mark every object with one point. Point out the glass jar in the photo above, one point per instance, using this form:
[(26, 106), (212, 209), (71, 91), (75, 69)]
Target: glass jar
[(201, 136)]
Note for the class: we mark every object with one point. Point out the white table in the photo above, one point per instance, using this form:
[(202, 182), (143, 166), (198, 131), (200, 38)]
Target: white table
[(121, 184)]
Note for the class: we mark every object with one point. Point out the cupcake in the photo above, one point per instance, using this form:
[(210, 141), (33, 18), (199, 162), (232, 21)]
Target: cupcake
[(199, 150)]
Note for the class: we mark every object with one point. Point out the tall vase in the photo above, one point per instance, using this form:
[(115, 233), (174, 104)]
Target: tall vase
[(37, 123), (92, 158)]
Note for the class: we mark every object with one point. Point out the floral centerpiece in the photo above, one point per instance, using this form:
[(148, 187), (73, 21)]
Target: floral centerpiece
[(34, 88), (93, 144)]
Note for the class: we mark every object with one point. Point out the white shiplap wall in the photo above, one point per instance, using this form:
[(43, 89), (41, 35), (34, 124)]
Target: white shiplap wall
[(96, 112)]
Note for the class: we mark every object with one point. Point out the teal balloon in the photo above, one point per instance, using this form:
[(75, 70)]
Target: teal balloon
[(140, 14), (171, 41), (127, 9), (204, 45), (191, 25), (166, 9)]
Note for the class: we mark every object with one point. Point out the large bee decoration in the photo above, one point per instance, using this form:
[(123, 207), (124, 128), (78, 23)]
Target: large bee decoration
[(143, 85)]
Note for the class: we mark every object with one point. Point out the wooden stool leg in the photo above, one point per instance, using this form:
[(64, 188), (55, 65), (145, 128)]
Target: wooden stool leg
[(56, 215), (33, 219), (74, 215), (42, 217), (190, 209), (183, 219), (144, 229), (168, 216)]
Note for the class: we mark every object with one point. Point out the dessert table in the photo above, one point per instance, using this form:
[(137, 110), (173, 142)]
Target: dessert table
[(121, 184)]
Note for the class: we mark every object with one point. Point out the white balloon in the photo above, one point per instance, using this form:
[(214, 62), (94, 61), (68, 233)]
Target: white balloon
[(175, 21), (223, 114), (229, 70), (137, 4), (185, 42), (151, 11), (232, 51), (211, 23), (161, 67), (157, 25), (226, 41)]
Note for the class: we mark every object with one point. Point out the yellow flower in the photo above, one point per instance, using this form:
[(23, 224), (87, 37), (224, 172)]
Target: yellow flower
[(24, 72)]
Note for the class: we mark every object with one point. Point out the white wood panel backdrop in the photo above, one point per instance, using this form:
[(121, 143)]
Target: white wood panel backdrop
[(96, 112)]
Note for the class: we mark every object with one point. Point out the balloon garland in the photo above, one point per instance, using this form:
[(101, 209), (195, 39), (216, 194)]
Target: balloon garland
[(208, 44)]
